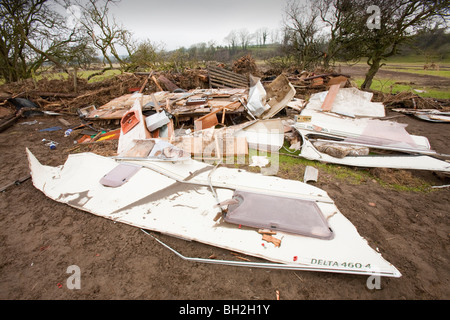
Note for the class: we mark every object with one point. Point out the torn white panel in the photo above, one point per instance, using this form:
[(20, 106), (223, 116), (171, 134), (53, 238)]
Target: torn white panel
[(266, 135), (137, 132), (350, 102), (432, 115), (156, 198), (257, 98), (365, 131), (279, 93), (407, 161)]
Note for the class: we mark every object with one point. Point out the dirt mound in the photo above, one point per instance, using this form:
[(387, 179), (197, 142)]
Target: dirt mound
[(410, 100), (246, 65), (65, 95)]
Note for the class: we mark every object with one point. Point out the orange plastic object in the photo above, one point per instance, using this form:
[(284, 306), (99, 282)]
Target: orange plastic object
[(129, 121), (84, 138)]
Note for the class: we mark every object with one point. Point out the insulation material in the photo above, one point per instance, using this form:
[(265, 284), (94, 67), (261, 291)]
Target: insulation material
[(340, 151), (348, 101), (279, 93)]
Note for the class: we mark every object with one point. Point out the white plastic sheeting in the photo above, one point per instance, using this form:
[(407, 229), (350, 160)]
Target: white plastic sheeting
[(257, 98), (417, 153)]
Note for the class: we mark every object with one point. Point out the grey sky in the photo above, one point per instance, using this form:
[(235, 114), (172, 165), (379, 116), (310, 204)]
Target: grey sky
[(182, 23)]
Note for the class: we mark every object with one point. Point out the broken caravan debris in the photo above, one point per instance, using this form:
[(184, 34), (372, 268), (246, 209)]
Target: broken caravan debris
[(202, 106), (265, 103), (182, 199), (200, 103), (350, 102), (194, 103), (431, 115), (185, 188), (348, 134)]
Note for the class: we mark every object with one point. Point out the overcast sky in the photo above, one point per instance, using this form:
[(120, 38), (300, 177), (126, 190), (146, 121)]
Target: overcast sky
[(182, 23)]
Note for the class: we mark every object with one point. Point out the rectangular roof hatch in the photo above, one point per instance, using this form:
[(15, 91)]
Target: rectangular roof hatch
[(292, 215)]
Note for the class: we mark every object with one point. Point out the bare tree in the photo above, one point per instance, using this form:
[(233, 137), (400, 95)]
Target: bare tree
[(274, 36), (107, 35), (261, 36), (399, 20), (337, 18), (232, 40), (245, 37), (302, 33), (32, 33), (370, 29)]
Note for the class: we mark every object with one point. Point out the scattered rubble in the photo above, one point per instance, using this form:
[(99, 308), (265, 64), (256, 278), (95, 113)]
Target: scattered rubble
[(170, 128)]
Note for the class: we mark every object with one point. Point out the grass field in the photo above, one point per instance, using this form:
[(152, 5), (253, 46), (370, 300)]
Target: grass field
[(290, 162), (409, 65), (392, 86), (81, 74)]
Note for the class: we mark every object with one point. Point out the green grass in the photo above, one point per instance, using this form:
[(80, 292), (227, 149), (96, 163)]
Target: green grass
[(415, 59), (81, 74), (392, 86), (292, 166), (106, 75), (353, 176), (418, 70)]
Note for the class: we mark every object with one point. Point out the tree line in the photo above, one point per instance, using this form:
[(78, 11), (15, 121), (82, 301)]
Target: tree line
[(323, 31)]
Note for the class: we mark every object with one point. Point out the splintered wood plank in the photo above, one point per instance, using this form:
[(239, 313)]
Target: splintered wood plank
[(205, 122), (141, 149), (221, 78), (269, 238)]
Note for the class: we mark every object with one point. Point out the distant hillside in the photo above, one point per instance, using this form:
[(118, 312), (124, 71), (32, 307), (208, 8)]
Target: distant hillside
[(432, 45)]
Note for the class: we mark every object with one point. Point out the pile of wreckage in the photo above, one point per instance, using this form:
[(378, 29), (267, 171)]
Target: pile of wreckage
[(162, 179)]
